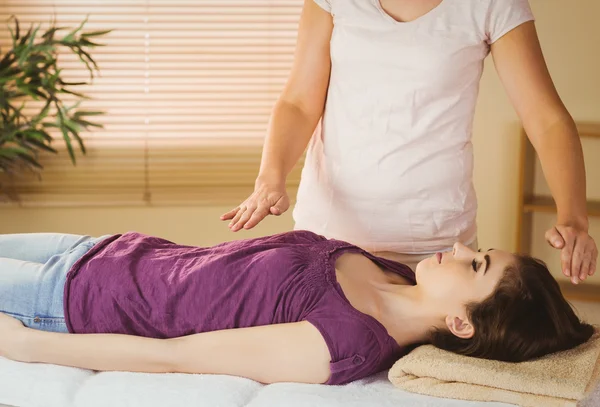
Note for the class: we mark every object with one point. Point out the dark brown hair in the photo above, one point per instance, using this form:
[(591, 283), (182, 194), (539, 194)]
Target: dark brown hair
[(524, 318)]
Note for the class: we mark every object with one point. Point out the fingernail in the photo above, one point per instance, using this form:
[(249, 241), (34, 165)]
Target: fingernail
[(556, 242), (568, 272)]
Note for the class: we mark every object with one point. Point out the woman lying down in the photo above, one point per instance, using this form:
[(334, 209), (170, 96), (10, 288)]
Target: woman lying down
[(292, 307)]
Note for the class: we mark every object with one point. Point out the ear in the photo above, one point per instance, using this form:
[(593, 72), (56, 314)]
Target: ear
[(460, 327)]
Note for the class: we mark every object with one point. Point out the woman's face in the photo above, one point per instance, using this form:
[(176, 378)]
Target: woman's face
[(450, 280)]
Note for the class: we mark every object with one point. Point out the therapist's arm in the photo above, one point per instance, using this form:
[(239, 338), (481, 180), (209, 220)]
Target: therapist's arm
[(521, 67), (293, 120)]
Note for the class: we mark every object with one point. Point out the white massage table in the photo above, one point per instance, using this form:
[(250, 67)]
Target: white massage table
[(41, 385)]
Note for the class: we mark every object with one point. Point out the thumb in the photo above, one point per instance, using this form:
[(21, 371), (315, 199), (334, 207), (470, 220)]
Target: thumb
[(554, 238), (280, 207)]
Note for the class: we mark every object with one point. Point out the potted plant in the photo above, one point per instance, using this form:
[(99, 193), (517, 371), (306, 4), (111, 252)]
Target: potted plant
[(29, 71)]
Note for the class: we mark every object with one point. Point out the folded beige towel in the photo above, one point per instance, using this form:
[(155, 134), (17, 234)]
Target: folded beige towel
[(560, 379)]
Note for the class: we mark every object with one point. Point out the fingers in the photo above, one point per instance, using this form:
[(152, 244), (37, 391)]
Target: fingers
[(594, 258), (588, 267), (234, 222), (566, 255), (579, 253), (246, 215), (280, 206), (258, 215), (554, 238), (577, 261), (230, 214), (585, 268)]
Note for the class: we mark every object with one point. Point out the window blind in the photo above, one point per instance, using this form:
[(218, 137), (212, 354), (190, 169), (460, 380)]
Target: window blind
[(187, 87)]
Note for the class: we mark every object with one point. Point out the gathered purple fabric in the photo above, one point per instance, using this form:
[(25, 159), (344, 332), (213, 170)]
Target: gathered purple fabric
[(147, 286)]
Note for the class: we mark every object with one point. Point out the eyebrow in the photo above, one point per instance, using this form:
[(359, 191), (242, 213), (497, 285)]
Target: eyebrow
[(487, 262)]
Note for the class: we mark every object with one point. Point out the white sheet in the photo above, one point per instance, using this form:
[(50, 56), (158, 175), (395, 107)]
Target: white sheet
[(41, 385)]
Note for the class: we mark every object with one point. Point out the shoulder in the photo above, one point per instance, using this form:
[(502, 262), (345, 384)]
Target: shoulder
[(501, 16), (324, 4), (358, 348)]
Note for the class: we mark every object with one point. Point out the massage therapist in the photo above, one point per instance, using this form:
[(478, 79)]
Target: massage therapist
[(396, 83)]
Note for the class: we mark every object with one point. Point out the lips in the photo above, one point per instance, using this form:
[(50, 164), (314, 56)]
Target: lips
[(438, 255)]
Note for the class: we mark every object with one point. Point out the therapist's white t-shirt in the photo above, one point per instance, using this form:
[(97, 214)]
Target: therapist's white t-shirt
[(391, 168)]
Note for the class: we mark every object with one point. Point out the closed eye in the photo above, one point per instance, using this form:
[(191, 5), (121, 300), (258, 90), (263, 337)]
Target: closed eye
[(475, 265)]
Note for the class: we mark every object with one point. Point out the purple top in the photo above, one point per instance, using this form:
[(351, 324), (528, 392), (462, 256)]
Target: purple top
[(147, 286)]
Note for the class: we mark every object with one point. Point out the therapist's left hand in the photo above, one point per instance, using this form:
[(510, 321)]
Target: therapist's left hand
[(578, 251)]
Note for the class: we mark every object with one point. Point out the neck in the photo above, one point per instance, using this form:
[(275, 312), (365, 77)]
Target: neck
[(405, 313)]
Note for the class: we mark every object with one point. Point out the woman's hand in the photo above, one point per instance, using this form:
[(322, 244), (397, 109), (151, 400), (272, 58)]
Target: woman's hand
[(268, 198), (578, 251), (12, 332)]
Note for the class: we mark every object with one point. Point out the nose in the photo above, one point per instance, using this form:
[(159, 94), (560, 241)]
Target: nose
[(460, 250)]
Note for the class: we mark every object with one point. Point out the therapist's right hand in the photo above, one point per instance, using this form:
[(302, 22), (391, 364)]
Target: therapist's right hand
[(268, 198)]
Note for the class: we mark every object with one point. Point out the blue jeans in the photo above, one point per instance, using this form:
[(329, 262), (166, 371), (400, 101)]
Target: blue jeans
[(33, 270)]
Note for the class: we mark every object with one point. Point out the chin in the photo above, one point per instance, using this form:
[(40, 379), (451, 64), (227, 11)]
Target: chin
[(419, 269)]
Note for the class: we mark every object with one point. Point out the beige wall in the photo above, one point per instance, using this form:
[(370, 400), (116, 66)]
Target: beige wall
[(570, 36)]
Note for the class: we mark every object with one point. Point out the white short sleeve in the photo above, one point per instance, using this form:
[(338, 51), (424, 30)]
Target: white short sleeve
[(324, 4), (505, 15)]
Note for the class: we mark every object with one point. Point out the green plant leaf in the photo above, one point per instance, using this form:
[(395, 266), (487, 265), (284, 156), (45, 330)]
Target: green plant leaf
[(67, 139), (75, 106), (70, 92), (89, 60), (30, 160), (86, 124), (24, 39), (74, 129), (41, 145), (12, 151), (87, 43), (81, 113), (13, 37), (33, 35), (30, 70), (71, 36), (45, 135), (72, 83), (17, 28), (7, 60), (49, 34), (96, 33)]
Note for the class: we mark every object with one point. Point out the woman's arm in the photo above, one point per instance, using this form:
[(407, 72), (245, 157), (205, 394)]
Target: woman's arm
[(521, 67), (301, 103), (294, 118), (294, 352)]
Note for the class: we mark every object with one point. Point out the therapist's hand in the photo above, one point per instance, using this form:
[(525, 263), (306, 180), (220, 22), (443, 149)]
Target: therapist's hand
[(578, 251), (268, 198)]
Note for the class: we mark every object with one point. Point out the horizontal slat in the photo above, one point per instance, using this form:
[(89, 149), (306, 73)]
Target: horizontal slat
[(252, 86), (200, 107), (184, 57), (182, 65), (195, 196), (222, 75), (207, 122), (197, 114), (139, 16), (187, 87), (127, 7)]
